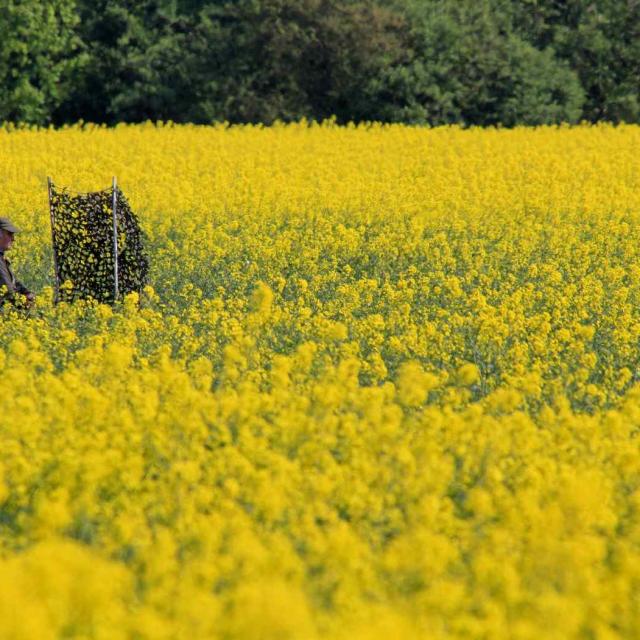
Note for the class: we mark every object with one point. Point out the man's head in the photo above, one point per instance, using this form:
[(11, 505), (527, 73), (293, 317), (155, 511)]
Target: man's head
[(7, 230)]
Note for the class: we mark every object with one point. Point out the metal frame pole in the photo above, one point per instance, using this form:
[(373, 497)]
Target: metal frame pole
[(52, 217), (115, 239)]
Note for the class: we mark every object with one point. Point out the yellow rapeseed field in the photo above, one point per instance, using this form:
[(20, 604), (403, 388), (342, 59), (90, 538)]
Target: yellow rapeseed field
[(385, 383)]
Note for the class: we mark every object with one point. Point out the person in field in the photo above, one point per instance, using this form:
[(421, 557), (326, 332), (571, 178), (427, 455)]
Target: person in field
[(9, 286)]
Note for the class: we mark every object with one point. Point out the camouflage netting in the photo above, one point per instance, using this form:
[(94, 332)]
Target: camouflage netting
[(83, 245)]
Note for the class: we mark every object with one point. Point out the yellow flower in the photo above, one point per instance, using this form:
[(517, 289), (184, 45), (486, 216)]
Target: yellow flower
[(383, 383), (414, 384), (468, 374)]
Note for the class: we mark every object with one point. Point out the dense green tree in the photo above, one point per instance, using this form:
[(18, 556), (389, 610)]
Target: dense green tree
[(118, 36), (40, 53), (420, 61), (600, 41), (249, 61), (468, 66)]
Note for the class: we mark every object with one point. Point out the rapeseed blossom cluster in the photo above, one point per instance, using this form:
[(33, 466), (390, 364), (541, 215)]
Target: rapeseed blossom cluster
[(384, 383)]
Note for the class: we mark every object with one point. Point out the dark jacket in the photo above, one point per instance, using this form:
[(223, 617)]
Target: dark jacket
[(8, 280)]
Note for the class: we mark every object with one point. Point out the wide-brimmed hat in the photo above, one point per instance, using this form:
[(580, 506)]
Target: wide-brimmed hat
[(7, 225)]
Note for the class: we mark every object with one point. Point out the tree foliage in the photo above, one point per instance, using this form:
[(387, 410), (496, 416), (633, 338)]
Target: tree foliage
[(39, 52), (420, 61)]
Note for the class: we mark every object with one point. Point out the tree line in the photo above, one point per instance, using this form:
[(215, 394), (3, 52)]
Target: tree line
[(474, 62)]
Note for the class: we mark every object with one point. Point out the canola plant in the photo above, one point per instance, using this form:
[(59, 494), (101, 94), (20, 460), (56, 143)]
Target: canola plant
[(384, 383)]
